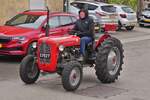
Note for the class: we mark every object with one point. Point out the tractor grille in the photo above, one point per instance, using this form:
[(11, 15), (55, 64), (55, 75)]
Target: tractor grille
[(4, 39), (45, 53)]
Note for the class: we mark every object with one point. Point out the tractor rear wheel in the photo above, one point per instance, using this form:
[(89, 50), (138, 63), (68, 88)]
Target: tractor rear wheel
[(71, 75), (109, 60), (29, 71)]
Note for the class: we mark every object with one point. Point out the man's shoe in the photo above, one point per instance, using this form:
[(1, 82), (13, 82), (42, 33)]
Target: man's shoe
[(81, 58)]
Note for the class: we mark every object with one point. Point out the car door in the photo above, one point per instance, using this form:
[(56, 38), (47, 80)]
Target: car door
[(55, 27), (66, 23)]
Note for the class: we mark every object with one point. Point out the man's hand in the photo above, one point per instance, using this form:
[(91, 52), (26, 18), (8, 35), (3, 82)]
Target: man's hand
[(72, 32), (76, 33), (80, 34)]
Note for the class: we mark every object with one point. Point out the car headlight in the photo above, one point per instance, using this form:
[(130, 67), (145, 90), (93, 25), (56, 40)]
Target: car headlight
[(20, 38), (61, 48)]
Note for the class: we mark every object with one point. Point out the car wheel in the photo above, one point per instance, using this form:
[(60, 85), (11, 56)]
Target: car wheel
[(141, 25), (119, 26), (129, 28)]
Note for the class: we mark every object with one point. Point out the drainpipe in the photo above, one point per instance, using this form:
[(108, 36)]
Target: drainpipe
[(65, 5)]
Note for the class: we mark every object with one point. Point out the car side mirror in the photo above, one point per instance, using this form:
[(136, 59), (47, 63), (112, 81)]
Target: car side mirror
[(7, 22), (44, 27)]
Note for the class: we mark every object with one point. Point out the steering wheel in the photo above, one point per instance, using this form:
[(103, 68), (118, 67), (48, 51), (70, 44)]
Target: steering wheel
[(74, 32)]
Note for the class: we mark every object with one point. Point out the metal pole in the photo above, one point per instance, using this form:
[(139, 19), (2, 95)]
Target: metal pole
[(46, 4), (47, 25), (65, 5)]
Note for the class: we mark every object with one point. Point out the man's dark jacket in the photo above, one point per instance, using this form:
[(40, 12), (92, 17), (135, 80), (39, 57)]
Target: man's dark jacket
[(85, 26)]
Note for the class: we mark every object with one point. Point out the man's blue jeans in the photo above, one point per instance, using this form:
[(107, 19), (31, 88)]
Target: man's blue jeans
[(83, 42)]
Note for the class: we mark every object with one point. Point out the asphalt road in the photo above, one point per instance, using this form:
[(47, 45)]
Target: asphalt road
[(133, 84)]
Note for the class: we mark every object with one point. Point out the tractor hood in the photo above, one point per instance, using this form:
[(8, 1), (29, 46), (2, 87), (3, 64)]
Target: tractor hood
[(68, 40)]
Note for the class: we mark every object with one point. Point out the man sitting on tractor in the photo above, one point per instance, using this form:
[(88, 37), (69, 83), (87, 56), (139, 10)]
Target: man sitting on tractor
[(85, 28)]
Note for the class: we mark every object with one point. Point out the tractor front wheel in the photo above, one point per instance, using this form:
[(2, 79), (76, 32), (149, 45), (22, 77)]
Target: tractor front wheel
[(29, 71), (71, 75), (109, 60)]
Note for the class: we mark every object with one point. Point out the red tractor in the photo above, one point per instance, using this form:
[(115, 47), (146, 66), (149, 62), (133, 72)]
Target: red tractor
[(60, 55)]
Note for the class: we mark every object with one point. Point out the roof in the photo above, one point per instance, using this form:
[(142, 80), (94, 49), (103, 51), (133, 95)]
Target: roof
[(92, 2), (44, 12), (117, 5)]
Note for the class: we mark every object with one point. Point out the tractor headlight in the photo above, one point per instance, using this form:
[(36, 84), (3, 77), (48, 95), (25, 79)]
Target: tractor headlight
[(61, 48), (34, 45)]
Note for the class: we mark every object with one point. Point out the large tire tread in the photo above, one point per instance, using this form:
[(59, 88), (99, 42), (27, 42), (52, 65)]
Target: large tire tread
[(23, 70), (101, 61), (65, 75)]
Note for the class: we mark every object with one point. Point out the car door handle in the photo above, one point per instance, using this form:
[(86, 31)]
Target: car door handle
[(53, 32), (62, 29)]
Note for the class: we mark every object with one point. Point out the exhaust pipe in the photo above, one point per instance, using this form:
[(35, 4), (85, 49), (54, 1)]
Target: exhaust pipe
[(47, 24)]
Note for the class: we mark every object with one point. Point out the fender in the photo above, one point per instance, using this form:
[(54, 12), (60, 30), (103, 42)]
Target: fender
[(101, 39), (27, 45)]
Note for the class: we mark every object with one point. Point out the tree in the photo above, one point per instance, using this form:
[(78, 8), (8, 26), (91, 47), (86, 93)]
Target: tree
[(131, 3), (106, 1), (140, 5)]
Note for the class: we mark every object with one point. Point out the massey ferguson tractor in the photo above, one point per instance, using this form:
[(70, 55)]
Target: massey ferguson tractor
[(60, 55)]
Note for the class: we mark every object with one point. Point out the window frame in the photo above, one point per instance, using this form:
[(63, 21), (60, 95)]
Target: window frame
[(68, 23), (92, 5), (58, 22)]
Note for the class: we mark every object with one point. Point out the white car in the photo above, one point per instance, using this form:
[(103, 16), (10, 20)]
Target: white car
[(105, 13), (144, 18), (127, 17)]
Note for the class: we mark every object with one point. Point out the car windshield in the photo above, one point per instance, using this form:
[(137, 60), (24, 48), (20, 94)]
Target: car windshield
[(147, 9), (127, 10), (108, 8), (26, 21)]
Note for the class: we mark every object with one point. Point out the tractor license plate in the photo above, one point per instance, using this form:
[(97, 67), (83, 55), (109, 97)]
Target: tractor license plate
[(147, 20), (1, 46)]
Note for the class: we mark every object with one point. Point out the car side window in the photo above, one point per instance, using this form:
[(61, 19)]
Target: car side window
[(73, 19), (92, 7), (65, 20), (79, 5), (127, 10), (19, 19), (108, 8), (54, 22)]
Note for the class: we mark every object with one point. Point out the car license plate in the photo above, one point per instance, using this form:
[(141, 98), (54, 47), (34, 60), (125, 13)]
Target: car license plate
[(132, 24), (147, 20), (1, 46), (112, 16)]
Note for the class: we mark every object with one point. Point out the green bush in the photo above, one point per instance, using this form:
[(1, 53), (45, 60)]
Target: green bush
[(131, 3)]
